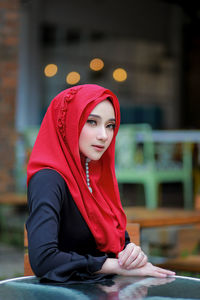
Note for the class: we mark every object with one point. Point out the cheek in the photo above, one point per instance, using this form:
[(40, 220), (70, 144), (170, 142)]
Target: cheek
[(85, 136), (82, 139), (110, 137)]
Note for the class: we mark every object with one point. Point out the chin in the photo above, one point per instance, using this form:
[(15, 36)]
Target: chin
[(95, 157)]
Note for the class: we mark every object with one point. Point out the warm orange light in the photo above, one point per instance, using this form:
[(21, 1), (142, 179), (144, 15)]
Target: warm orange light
[(73, 78), (96, 64), (50, 70), (120, 74)]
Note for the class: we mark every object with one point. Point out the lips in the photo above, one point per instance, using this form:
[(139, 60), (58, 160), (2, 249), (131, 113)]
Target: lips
[(98, 147)]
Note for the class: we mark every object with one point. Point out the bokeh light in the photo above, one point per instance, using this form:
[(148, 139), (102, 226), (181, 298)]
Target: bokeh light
[(50, 70), (96, 64), (120, 74), (73, 78)]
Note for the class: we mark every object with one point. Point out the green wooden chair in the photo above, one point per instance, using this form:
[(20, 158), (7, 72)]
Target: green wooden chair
[(136, 163)]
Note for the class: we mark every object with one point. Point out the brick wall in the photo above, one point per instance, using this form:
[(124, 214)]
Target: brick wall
[(9, 41)]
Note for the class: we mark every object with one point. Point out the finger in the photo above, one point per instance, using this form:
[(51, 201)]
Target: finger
[(160, 272), (134, 256), (123, 255), (130, 256), (168, 272), (120, 254), (143, 262), (139, 262)]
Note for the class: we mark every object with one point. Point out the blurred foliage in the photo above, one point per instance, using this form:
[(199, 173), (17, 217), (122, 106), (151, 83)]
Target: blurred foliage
[(12, 221)]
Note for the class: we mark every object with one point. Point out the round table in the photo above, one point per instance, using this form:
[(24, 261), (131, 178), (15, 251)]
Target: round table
[(117, 288)]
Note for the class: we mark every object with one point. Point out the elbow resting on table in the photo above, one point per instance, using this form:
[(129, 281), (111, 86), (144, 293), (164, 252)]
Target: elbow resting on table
[(41, 262)]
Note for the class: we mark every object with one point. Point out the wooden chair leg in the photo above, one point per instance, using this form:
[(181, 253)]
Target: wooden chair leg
[(27, 267)]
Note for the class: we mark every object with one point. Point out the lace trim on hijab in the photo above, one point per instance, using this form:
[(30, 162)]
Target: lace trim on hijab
[(61, 122)]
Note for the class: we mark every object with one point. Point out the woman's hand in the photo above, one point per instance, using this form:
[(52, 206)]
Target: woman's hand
[(132, 257), (111, 266), (150, 270)]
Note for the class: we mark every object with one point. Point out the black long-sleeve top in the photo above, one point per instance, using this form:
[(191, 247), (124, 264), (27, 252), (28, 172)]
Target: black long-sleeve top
[(61, 246)]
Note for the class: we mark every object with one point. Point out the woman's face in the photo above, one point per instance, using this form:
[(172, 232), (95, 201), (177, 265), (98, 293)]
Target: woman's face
[(97, 133)]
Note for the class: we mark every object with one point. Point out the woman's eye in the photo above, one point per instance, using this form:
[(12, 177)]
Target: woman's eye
[(111, 126), (91, 122)]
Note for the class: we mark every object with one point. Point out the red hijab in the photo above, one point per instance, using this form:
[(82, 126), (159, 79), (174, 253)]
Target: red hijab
[(57, 148)]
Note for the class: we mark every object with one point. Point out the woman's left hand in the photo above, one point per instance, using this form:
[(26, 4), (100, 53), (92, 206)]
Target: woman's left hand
[(132, 257)]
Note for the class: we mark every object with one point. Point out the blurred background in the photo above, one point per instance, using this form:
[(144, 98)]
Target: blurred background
[(147, 52)]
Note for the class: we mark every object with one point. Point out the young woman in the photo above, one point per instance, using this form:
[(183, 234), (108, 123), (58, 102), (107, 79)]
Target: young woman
[(76, 228)]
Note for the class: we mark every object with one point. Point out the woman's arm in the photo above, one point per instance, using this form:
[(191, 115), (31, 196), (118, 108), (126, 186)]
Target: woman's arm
[(45, 195), (111, 265)]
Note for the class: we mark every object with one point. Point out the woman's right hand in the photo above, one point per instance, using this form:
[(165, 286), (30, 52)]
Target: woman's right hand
[(132, 257), (111, 266)]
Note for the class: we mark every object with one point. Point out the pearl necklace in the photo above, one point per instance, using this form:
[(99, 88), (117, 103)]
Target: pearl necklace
[(87, 174)]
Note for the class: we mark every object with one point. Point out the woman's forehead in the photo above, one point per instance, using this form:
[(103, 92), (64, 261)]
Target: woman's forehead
[(104, 108)]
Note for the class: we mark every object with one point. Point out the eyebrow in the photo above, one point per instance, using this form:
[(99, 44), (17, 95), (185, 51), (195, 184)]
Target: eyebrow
[(97, 116)]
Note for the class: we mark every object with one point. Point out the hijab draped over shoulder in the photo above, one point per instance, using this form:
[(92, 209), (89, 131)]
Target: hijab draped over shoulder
[(57, 148)]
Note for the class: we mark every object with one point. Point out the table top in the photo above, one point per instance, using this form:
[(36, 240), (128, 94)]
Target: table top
[(161, 216), (117, 288)]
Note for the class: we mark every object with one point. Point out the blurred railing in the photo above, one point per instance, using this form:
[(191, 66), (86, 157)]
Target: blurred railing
[(151, 157)]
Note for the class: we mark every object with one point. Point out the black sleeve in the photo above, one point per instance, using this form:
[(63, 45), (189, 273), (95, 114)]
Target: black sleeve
[(127, 239), (45, 196)]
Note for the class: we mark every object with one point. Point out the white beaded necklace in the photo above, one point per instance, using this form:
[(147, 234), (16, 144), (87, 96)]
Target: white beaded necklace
[(87, 174)]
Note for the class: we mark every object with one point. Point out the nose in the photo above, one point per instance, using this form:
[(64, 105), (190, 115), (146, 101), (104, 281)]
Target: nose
[(102, 134)]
